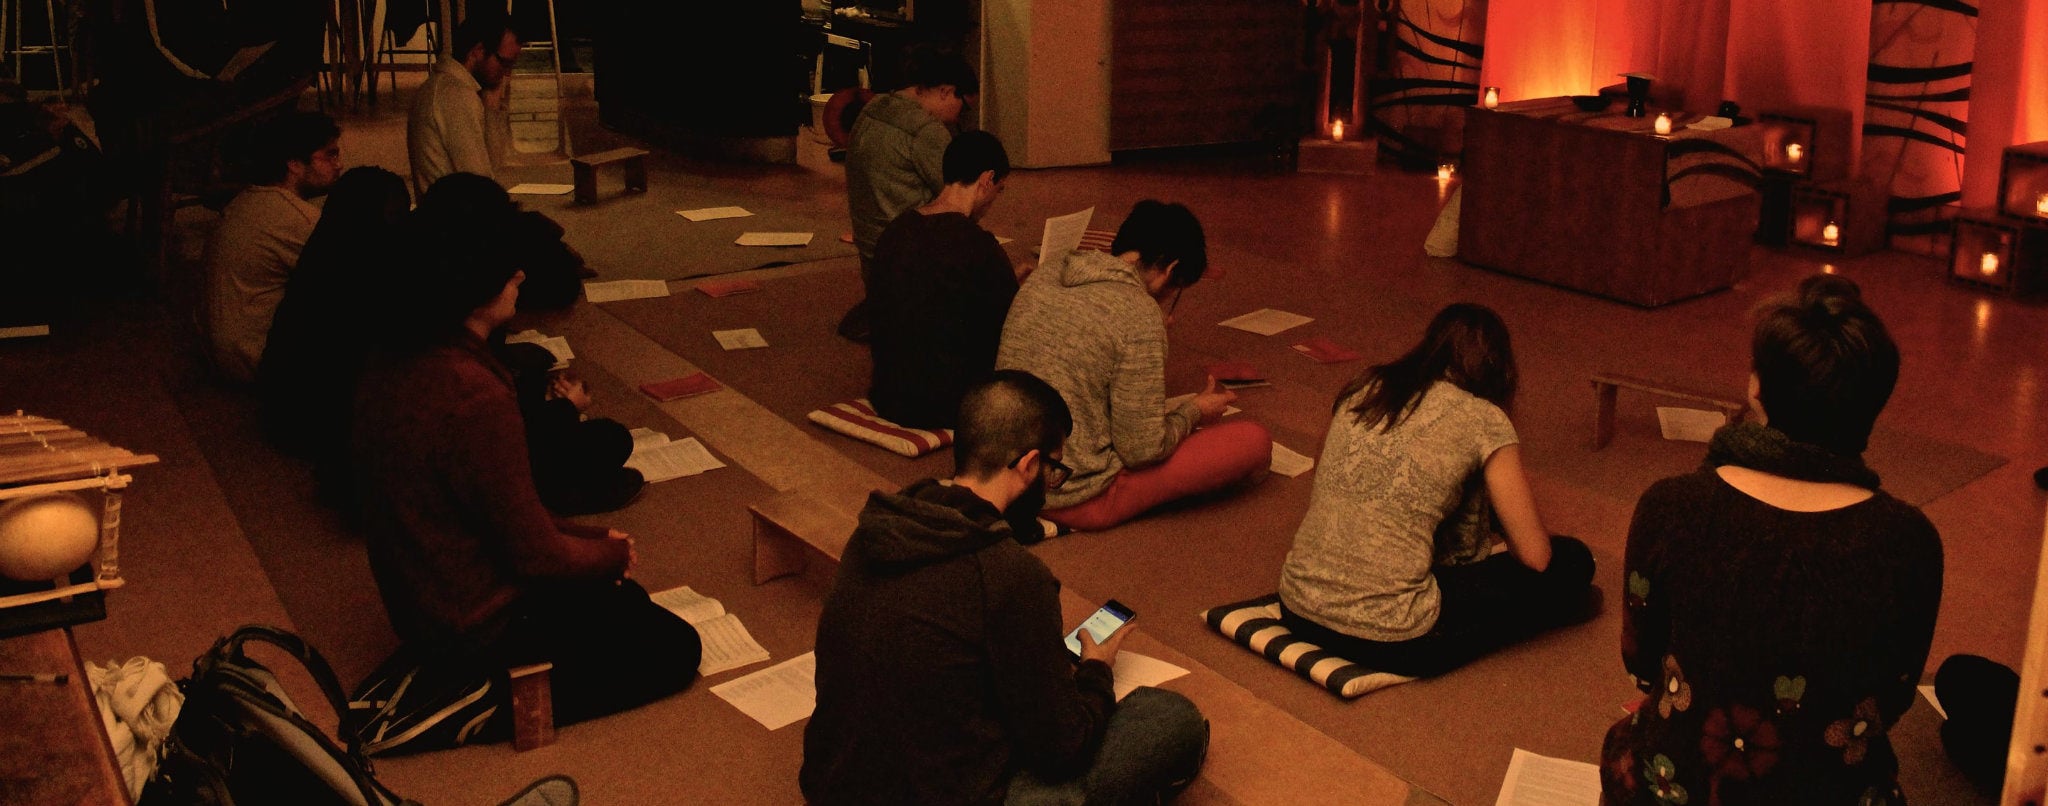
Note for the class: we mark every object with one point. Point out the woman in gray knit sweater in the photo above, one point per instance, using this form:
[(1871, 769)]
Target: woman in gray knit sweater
[(1092, 325)]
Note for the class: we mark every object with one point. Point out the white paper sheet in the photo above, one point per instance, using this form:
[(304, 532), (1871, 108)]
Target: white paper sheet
[(743, 339), (539, 189), (714, 213), (1266, 321), (1689, 425), (616, 290), (1535, 780), (1063, 234), (558, 346), (778, 695), (684, 457), (1133, 670), (1000, 240), (1287, 462), (645, 438), (774, 239), (688, 604), (1928, 692), (726, 645)]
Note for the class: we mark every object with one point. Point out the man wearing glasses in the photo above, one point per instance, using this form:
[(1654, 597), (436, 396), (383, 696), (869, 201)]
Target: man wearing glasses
[(444, 131), (1093, 325), (942, 673)]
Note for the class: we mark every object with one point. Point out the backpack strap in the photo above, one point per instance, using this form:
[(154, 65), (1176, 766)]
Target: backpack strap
[(230, 649)]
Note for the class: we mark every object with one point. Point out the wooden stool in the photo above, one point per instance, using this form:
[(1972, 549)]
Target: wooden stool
[(634, 161), (787, 523), (1606, 384), (533, 707)]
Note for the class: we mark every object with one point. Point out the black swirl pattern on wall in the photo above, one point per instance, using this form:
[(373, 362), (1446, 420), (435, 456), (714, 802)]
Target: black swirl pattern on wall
[(1916, 114), (1428, 64)]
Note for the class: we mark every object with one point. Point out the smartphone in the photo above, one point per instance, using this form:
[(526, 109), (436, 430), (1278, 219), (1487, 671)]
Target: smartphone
[(1105, 620)]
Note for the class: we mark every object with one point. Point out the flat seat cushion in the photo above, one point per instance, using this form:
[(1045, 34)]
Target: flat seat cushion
[(1255, 625), (857, 419)]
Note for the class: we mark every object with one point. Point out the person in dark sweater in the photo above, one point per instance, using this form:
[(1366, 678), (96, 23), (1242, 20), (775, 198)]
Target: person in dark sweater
[(940, 290), (942, 676), (1779, 605)]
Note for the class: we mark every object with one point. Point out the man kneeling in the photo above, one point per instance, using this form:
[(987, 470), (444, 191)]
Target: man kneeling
[(942, 673)]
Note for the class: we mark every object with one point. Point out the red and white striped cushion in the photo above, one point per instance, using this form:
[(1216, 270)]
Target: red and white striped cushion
[(857, 419)]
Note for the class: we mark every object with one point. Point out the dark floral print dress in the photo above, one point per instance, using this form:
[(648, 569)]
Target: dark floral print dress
[(1775, 649)]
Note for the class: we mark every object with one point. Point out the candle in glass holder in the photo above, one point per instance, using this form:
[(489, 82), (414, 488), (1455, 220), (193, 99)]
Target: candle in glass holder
[(1794, 152), (1988, 264), (1663, 123), (2041, 205), (1491, 98), (1445, 170), (1831, 234), (1336, 130)]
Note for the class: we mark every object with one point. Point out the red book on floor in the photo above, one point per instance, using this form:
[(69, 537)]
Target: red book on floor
[(696, 383), (1322, 349), (727, 288)]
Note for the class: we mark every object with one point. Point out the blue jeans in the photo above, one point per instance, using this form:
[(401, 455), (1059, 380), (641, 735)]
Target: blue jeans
[(1151, 750)]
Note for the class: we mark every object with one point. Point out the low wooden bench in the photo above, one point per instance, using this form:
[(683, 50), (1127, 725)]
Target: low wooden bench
[(789, 525), (1606, 384), (633, 160)]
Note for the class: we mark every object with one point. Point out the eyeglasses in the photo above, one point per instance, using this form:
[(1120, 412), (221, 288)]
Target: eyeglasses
[(1056, 474)]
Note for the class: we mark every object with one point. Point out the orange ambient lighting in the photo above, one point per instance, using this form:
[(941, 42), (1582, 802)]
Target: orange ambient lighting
[(1663, 123), (2041, 205), (1444, 171)]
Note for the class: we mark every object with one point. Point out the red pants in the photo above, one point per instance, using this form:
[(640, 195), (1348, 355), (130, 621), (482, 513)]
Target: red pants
[(1210, 459)]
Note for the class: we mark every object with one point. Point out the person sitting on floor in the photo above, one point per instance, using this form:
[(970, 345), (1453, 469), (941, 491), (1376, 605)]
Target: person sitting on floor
[(940, 289), (1393, 566), (1779, 604), (942, 676), (578, 464), (474, 573), (444, 127), (895, 157), (1092, 325), (296, 157), (307, 378)]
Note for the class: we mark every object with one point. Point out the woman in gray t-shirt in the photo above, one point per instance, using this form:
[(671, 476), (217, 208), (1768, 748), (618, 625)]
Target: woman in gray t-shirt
[(1393, 565)]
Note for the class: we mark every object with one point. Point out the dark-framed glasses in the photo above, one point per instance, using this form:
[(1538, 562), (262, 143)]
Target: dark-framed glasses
[(1056, 474)]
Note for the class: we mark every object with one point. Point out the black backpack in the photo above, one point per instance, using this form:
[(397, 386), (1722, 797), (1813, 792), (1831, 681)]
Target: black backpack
[(240, 739)]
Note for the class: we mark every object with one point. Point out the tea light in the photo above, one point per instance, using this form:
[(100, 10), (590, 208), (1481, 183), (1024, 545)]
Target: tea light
[(2041, 205), (1336, 130), (1444, 171), (1663, 122), (1491, 99), (1794, 152), (1988, 264), (1831, 234)]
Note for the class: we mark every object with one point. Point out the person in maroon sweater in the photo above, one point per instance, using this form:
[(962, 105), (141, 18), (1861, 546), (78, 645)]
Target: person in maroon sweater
[(473, 570)]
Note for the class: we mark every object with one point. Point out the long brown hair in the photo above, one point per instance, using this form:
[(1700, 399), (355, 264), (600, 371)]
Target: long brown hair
[(1466, 344)]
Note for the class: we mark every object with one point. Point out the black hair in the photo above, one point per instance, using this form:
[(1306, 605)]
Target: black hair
[(1003, 417), (458, 238), (483, 26), (1465, 344), (927, 66), (1161, 233), (290, 136), (1824, 363), (972, 153), (359, 220)]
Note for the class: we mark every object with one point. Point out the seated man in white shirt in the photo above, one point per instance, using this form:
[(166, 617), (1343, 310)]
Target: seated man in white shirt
[(293, 158), (444, 131)]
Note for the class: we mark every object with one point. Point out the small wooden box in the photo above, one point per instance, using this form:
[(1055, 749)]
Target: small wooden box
[(2023, 182), (1997, 253), (1808, 142), (1853, 207)]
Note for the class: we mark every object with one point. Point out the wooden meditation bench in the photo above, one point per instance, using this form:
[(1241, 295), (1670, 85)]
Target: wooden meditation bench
[(634, 161), (1606, 384)]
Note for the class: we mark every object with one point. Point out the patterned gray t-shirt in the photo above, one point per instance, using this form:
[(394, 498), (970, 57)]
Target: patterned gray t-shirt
[(1388, 507)]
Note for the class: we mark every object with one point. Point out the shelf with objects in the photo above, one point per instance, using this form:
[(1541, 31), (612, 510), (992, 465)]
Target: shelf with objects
[(2005, 249)]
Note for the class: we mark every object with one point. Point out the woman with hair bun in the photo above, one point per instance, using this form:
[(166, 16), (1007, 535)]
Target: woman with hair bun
[(1779, 605)]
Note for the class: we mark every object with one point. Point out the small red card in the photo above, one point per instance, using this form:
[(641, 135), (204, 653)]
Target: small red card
[(1321, 348), (696, 383), (727, 288)]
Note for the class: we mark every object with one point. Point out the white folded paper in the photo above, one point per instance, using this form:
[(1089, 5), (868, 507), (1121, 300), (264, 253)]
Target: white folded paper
[(714, 213), (774, 239)]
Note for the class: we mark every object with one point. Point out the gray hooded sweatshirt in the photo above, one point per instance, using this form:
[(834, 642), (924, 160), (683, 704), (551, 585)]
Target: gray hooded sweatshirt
[(894, 161), (1087, 326)]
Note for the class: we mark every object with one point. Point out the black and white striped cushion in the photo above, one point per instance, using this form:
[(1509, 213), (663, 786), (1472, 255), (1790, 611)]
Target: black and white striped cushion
[(1255, 624)]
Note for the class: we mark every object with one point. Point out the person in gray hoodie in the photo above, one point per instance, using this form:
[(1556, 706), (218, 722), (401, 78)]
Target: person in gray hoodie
[(896, 155), (1094, 326)]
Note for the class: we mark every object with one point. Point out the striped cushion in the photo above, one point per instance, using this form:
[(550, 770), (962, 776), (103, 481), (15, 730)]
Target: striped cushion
[(859, 420), (1097, 239), (1256, 625)]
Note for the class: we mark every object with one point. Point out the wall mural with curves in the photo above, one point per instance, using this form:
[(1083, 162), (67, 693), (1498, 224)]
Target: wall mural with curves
[(1916, 108), (1428, 68)]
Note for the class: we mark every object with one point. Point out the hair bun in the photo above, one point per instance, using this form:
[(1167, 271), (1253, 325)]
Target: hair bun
[(1832, 293)]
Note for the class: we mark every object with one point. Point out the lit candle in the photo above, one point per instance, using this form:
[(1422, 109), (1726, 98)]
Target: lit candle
[(1491, 99), (1663, 122), (1988, 264), (1831, 234), (2041, 205), (1336, 130), (1444, 171), (1794, 152)]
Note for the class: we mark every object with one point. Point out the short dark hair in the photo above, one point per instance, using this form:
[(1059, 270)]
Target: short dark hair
[(1824, 363), (1003, 417), (927, 66), (290, 136), (1161, 233), (460, 235), (483, 26), (972, 153)]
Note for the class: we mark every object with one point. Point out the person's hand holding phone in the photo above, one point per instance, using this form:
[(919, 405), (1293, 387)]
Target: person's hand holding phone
[(1105, 651)]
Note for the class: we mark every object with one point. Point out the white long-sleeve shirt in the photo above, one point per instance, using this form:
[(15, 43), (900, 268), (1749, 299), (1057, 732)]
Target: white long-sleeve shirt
[(247, 262), (444, 131)]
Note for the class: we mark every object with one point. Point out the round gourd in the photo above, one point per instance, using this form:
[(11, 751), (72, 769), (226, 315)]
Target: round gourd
[(43, 537)]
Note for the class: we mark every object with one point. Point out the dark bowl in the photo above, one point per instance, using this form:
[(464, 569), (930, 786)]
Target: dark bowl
[(1591, 103)]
